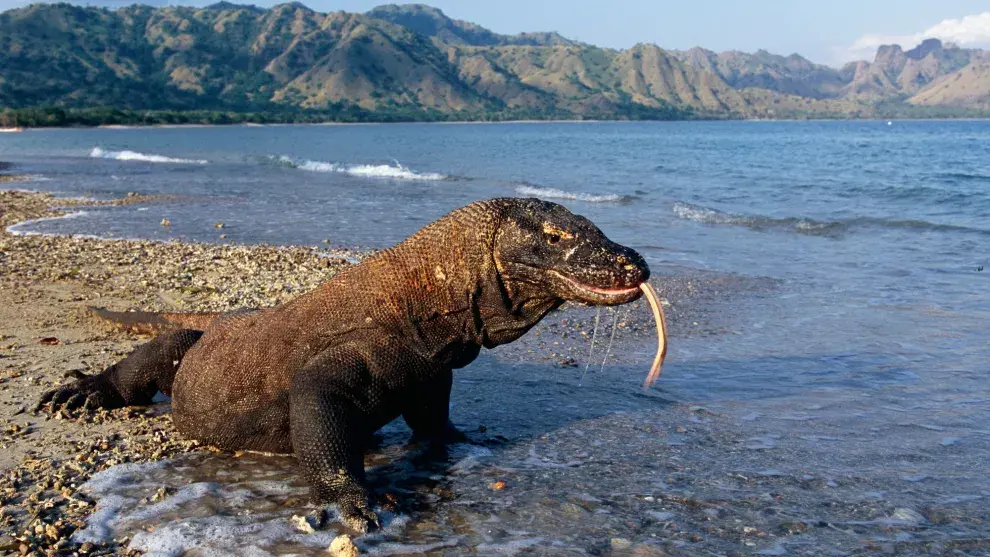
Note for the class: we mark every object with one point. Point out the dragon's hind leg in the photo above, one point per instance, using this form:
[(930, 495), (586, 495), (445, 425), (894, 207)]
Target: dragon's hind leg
[(133, 381)]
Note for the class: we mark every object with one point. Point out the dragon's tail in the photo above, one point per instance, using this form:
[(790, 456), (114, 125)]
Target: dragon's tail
[(150, 323)]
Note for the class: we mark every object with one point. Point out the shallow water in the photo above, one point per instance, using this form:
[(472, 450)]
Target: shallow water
[(826, 310)]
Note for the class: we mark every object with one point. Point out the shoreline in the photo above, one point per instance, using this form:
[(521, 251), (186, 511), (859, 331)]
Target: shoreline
[(46, 335), (46, 283), (119, 127)]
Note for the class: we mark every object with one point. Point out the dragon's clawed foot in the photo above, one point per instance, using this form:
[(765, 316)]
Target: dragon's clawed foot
[(88, 393), (358, 517), (449, 435)]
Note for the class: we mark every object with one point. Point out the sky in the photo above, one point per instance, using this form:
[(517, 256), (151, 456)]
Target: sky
[(832, 32)]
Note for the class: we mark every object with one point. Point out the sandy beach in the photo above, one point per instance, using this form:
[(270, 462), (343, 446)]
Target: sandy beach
[(46, 284)]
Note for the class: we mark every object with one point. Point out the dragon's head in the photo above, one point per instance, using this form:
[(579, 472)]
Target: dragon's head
[(542, 244)]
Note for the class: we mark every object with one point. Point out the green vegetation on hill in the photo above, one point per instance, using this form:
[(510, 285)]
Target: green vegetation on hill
[(227, 63)]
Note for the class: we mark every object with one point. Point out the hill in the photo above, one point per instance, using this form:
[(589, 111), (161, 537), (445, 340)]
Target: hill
[(414, 62)]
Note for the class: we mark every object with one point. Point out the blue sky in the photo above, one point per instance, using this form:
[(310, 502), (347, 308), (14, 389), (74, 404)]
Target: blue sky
[(830, 32)]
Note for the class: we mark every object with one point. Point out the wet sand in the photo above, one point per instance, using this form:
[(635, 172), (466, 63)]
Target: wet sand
[(591, 465)]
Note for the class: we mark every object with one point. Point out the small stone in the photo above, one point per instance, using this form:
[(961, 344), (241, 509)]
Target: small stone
[(910, 516), (166, 223), (8, 543), (620, 543), (646, 550), (302, 524), (572, 510), (794, 527), (343, 546), (497, 486)]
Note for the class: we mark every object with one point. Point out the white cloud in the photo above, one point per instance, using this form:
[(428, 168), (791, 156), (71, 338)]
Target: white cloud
[(971, 31)]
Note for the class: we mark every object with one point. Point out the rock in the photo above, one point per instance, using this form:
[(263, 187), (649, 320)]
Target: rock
[(790, 528), (910, 516), (646, 550), (8, 543), (620, 543), (303, 524), (343, 546), (661, 516), (573, 511)]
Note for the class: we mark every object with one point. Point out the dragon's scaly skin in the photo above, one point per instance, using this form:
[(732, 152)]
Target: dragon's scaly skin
[(318, 376)]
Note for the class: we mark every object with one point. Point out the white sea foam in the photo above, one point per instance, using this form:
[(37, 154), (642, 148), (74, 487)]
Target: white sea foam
[(801, 225), (706, 215), (224, 535), (554, 193), (232, 517), (381, 171), (98, 153), (15, 229)]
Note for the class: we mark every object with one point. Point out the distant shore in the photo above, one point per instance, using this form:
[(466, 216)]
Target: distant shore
[(55, 117), (497, 122)]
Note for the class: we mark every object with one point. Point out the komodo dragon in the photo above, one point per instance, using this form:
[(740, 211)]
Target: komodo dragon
[(320, 374)]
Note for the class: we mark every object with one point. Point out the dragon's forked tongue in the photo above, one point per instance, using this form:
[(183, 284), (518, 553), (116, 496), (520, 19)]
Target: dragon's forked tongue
[(651, 295)]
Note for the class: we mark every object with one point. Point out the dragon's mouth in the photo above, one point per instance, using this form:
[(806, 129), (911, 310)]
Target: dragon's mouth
[(597, 295)]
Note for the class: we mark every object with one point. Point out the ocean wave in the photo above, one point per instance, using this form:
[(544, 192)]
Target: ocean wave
[(799, 225), (380, 171), (15, 229), (707, 215), (554, 193), (98, 153), (915, 224), (964, 176)]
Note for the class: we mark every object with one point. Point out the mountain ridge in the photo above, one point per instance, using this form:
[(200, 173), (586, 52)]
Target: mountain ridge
[(414, 62)]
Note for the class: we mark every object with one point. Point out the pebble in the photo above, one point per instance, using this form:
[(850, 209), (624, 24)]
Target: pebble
[(620, 543), (910, 516), (302, 523), (343, 546)]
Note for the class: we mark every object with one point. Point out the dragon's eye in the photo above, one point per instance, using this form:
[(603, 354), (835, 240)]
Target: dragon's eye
[(553, 239)]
